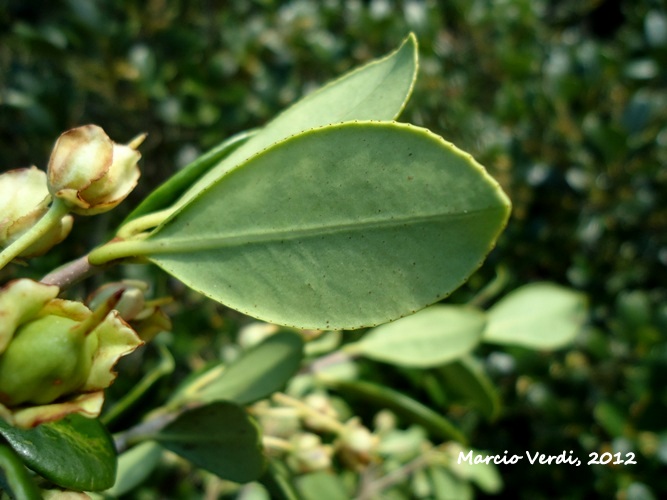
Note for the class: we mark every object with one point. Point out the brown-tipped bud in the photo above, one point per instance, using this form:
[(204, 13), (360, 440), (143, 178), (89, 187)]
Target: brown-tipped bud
[(90, 172)]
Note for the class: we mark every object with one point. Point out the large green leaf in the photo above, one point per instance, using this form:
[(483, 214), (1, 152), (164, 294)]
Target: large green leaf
[(428, 338), (341, 227), (539, 316), (220, 438), (258, 373), (75, 452), (376, 91)]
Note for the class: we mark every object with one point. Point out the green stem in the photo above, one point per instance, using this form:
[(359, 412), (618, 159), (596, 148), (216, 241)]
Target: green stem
[(165, 367), (309, 412), (374, 489), (51, 218), (493, 288), (143, 223), (115, 250)]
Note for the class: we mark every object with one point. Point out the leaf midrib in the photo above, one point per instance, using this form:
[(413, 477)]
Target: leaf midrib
[(188, 243)]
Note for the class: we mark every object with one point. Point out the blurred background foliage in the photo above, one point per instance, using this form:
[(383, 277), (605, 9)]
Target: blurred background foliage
[(564, 101)]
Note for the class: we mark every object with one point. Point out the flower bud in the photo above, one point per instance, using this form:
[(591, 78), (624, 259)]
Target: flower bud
[(90, 172), (131, 302), (356, 445), (56, 356), (281, 422), (145, 317), (24, 199), (308, 453), (320, 420)]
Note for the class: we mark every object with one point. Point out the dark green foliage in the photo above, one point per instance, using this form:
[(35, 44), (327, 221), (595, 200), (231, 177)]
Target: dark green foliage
[(218, 437), (76, 452)]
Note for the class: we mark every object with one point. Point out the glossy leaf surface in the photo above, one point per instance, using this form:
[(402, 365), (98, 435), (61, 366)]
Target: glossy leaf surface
[(75, 452), (431, 337), (342, 227), (539, 316), (375, 91), (220, 438)]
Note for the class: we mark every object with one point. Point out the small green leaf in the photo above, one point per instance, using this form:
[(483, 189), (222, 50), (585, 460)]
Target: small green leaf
[(342, 227), (75, 453), (258, 373), (447, 485), (220, 438), (278, 481), (466, 378), (410, 409), (611, 418), (538, 316), (484, 475), (321, 486), (487, 478), (169, 191), (378, 90), (134, 466), (428, 338), (15, 480)]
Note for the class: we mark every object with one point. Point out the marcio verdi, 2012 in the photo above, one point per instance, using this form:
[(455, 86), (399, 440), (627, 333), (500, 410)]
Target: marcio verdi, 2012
[(534, 458)]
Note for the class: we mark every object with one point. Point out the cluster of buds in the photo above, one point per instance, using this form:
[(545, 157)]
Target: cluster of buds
[(357, 445), (296, 427), (56, 356), (87, 174)]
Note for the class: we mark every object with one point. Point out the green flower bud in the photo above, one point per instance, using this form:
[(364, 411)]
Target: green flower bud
[(24, 199), (90, 172), (64, 362), (57, 355)]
